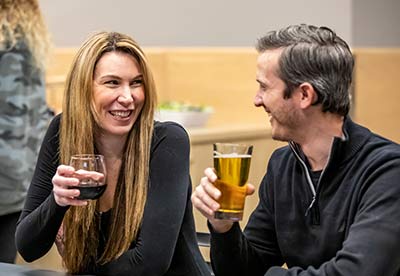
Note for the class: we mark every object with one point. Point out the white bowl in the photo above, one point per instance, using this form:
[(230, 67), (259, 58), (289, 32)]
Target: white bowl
[(184, 118)]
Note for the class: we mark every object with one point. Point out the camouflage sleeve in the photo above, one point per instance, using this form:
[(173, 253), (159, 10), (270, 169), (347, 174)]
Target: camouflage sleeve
[(24, 117)]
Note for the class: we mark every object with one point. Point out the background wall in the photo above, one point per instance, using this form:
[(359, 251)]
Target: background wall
[(191, 22), (376, 23), (362, 23)]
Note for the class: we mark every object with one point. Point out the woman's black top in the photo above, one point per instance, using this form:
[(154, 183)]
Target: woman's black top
[(166, 243)]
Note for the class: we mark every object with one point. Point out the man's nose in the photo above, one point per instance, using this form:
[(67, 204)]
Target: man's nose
[(258, 100)]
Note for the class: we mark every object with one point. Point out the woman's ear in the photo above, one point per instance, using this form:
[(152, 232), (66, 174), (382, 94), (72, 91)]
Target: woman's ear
[(308, 95)]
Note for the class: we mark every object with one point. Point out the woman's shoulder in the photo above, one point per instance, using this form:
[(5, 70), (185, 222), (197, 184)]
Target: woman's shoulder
[(169, 128), (169, 133), (56, 121)]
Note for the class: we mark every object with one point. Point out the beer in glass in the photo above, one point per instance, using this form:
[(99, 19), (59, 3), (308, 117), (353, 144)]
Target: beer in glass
[(232, 165)]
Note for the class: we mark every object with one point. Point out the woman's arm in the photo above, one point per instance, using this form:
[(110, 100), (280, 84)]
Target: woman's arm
[(167, 199)]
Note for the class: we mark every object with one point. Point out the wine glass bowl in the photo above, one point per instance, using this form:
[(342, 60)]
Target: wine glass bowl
[(90, 169)]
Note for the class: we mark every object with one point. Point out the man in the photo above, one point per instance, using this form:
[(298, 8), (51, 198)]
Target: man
[(330, 201)]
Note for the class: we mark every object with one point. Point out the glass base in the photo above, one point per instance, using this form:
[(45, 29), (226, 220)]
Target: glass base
[(235, 216)]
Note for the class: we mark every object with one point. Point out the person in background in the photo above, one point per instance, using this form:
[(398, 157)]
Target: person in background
[(329, 202), (143, 223), (24, 115)]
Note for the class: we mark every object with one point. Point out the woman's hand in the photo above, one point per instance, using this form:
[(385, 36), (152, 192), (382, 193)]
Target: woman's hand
[(204, 199), (62, 181)]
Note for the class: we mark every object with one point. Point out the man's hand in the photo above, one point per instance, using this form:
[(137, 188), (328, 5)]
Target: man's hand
[(204, 199)]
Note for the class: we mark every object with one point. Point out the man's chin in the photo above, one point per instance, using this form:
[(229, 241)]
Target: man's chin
[(278, 137)]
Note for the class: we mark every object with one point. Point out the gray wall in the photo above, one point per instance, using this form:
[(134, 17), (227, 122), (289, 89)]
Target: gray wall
[(370, 23), (190, 22), (376, 23)]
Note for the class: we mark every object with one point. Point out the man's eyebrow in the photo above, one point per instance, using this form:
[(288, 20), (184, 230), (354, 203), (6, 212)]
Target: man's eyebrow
[(261, 82)]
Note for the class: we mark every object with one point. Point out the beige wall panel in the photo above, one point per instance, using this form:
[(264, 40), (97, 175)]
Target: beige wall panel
[(157, 60), (223, 78), (377, 91)]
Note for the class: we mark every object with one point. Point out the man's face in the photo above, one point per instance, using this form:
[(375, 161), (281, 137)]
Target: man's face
[(282, 112)]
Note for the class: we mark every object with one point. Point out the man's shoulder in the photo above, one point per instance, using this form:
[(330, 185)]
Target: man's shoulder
[(383, 147), (283, 152)]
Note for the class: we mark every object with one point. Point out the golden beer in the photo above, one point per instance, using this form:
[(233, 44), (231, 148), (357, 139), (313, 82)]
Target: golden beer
[(232, 171)]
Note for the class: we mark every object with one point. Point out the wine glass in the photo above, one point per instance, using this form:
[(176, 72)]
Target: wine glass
[(90, 169)]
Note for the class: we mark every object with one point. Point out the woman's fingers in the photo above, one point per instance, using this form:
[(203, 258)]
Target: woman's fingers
[(62, 181)]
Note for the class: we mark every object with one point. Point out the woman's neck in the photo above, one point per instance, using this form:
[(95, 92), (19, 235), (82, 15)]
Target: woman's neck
[(112, 147)]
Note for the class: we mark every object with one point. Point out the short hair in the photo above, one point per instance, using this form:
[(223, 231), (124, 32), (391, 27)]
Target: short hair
[(315, 55)]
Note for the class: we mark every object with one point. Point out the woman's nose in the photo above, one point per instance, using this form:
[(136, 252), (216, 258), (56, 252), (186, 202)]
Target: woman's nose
[(125, 95)]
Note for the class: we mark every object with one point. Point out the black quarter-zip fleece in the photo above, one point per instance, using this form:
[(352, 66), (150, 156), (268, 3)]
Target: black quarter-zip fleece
[(349, 226)]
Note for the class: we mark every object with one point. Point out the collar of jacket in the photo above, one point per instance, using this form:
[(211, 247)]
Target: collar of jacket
[(342, 150)]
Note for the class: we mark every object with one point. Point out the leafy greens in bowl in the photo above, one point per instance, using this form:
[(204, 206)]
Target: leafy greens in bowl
[(185, 114)]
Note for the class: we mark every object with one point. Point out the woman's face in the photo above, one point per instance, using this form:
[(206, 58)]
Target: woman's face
[(118, 93)]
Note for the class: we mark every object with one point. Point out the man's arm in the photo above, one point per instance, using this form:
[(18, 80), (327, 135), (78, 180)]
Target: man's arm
[(252, 252)]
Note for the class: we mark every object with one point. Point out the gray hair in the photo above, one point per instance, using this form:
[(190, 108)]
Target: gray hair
[(315, 55)]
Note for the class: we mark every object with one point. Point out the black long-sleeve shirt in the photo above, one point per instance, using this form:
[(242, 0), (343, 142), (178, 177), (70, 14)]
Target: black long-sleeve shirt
[(347, 224), (166, 244)]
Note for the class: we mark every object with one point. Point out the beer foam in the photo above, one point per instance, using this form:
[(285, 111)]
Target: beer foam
[(230, 155)]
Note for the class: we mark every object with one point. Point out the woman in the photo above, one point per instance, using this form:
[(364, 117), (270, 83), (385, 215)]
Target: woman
[(143, 223), (24, 115)]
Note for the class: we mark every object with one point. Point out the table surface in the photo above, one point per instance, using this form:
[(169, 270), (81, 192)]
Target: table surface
[(21, 270)]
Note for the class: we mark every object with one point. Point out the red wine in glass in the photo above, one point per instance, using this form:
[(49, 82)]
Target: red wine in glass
[(91, 171)]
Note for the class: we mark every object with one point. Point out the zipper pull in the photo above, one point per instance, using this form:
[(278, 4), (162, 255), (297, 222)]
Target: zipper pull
[(311, 205)]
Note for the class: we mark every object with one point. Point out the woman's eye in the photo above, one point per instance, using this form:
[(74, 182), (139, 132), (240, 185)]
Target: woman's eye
[(111, 82), (136, 83)]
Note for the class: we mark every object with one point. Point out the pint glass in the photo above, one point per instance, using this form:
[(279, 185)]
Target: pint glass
[(232, 165)]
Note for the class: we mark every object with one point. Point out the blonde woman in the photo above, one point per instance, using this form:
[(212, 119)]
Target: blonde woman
[(143, 223), (23, 112)]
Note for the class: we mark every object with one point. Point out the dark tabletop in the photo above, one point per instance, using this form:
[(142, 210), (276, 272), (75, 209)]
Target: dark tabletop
[(21, 270)]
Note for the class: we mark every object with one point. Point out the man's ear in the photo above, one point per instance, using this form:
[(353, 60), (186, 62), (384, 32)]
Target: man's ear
[(308, 95)]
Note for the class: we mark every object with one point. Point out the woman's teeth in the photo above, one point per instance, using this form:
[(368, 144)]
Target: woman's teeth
[(121, 113)]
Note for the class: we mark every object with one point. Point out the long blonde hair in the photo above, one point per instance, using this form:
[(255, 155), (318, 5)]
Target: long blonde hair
[(78, 126), (21, 20)]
